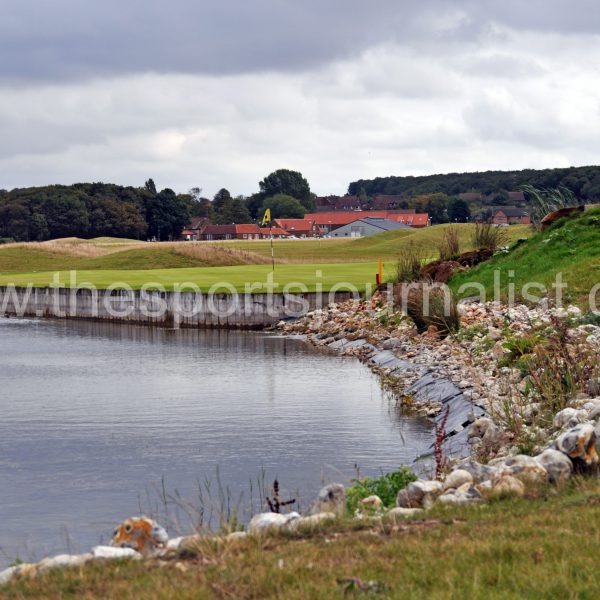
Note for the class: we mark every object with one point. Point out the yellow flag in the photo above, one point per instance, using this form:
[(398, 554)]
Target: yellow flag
[(267, 217)]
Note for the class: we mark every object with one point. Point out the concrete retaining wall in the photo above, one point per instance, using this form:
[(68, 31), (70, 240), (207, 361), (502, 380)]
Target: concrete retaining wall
[(166, 309)]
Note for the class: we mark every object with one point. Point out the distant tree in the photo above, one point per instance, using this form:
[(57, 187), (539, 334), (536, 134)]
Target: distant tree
[(38, 227), (239, 212), (500, 199), (166, 215), (149, 185), (290, 183), (284, 207), (436, 205), (458, 211), (221, 199), (254, 204)]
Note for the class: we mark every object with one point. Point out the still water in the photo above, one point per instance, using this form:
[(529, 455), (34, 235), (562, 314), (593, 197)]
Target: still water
[(98, 419)]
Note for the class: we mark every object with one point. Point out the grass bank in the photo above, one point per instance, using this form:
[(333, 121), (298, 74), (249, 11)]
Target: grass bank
[(570, 247), (545, 546)]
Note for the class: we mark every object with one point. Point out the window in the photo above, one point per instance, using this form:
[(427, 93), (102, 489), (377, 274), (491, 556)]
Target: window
[(245, 236)]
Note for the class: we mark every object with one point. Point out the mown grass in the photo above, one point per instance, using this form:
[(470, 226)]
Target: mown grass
[(570, 247), (542, 547), (239, 277), (112, 253)]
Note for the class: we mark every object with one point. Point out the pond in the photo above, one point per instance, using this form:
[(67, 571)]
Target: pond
[(101, 422)]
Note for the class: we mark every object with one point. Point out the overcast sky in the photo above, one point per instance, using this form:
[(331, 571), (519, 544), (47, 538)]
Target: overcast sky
[(219, 94)]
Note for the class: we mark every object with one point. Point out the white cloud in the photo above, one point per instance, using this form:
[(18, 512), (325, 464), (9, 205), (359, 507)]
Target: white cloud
[(503, 99)]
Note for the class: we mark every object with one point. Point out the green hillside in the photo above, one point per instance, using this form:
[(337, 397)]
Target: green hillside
[(571, 247)]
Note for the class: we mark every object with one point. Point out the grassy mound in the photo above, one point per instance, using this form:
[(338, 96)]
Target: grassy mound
[(540, 547), (570, 247)]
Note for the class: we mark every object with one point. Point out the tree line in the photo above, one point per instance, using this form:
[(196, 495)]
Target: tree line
[(89, 210), (584, 182)]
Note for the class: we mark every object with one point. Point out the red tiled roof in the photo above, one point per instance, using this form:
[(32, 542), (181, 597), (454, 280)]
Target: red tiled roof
[(273, 230), (295, 224), (414, 219), (343, 218), (247, 228), (219, 229)]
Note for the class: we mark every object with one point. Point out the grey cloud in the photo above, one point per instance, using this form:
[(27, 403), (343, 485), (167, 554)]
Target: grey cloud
[(79, 39)]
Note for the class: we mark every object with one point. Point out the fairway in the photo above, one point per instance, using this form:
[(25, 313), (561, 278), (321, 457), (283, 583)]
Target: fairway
[(305, 277), (115, 254)]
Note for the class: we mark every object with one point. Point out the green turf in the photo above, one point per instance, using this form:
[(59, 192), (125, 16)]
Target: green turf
[(114, 254), (357, 274)]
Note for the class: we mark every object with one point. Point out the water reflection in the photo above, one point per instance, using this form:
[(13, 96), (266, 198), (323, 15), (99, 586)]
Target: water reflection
[(96, 416)]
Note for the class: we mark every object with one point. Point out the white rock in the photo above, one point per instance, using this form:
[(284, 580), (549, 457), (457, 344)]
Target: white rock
[(174, 543), (419, 494), (371, 502), (569, 417), (331, 498), (236, 535), (507, 485), (457, 478), (110, 552), (311, 521), (8, 574), (266, 521), (522, 467), (403, 513), (558, 465), (63, 560)]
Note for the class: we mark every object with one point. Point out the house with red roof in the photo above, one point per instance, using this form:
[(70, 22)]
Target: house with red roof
[(231, 232), (277, 233), (300, 227), (330, 221)]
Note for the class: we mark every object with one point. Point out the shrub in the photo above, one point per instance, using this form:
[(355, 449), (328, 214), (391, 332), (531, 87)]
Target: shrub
[(559, 369), (409, 264), (487, 236), (449, 247), (428, 304), (386, 487)]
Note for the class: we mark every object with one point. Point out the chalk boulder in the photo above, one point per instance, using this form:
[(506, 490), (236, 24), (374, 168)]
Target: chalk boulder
[(331, 499)]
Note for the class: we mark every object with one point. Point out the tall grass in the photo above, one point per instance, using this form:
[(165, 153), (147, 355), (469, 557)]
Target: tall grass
[(487, 236), (409, 265), (544, 201), (449, 245)]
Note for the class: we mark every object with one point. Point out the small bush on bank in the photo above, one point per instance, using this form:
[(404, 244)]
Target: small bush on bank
[(428, 305), (386, 487), (449, 246), (487, 236), (559, 369), (409, 265)]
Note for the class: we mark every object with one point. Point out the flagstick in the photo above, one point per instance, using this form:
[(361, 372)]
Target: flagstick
[(272, 250)]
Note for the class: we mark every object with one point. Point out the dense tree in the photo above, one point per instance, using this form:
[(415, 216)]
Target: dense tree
[(228, 210), (584, 182), (166, 215), (290, 183), (91, 210), (436, 205), (458, 211), (150, 186), (284, 206)]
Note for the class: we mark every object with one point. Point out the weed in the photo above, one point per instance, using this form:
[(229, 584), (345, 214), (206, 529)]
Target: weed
[(386, 487)]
